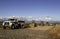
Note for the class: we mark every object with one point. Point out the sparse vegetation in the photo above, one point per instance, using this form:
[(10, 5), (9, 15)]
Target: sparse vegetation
[(53, 33), (42, 23), (32, 24)]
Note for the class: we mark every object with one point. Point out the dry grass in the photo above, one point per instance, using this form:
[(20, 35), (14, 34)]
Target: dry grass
[(22, 34), (33, 33), (31, 25), (41, 28), (28, 33), (54, 33)]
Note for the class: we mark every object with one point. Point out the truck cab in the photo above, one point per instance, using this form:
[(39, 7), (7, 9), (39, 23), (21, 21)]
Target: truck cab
[(10, 24), (13, 24)]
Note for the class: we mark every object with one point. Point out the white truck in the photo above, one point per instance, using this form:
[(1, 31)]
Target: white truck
[(12, 25)]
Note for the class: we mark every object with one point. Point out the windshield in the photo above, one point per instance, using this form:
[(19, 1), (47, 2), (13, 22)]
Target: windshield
[(14, 22), (6, 23)]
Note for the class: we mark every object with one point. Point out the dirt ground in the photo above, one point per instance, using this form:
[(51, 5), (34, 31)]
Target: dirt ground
[(27, 33)]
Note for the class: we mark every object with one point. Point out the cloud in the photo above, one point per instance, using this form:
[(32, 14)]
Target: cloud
[(1, 17), (29, 17)]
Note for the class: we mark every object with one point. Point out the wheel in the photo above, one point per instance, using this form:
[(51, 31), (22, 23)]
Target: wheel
[(16, 26), (13, 27), (4, 27), (22, 26)]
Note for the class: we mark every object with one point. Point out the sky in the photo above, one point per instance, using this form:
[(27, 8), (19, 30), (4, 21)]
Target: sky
[(35, 8)]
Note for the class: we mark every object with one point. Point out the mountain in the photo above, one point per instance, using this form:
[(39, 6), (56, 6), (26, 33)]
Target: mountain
[(30, 18)]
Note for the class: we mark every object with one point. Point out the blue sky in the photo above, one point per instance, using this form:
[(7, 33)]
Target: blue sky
[(33, 8)]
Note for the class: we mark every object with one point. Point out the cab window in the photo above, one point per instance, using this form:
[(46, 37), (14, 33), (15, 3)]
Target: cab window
[(6, 23)]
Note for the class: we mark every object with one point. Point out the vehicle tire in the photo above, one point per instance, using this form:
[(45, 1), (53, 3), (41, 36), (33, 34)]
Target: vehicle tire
[(4, 27), (22, 26), (16, 26), (12, 27)]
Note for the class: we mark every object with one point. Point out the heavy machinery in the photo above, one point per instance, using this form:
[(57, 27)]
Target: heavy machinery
[(13, 24)]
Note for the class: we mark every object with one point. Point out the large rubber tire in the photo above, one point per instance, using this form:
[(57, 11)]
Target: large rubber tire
[(12, 27), (16, 27), (22, 26), (4, 27)]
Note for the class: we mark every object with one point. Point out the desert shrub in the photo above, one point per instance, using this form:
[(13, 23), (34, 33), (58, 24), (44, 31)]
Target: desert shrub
[(32, 24), (47, 23), (42, 23)]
